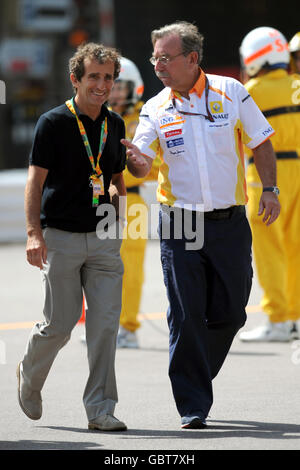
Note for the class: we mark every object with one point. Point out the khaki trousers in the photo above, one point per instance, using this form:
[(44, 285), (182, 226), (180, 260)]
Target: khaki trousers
[(78, 262)]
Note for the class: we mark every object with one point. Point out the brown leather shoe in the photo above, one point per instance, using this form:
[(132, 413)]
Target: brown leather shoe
[(30, 401)]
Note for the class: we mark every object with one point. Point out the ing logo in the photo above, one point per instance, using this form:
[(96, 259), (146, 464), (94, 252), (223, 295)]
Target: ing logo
[(216, 107)]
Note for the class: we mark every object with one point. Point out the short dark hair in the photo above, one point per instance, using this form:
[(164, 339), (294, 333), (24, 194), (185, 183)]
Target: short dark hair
[(191, 38), (97, 52)]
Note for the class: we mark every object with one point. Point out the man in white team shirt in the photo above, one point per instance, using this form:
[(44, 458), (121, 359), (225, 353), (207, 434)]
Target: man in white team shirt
[(198, 125)]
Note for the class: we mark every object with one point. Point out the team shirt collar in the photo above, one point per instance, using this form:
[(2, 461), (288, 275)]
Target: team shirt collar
[(198, 88)]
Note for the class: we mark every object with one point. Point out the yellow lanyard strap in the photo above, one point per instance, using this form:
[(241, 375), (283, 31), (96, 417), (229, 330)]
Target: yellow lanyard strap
[(103, 138)]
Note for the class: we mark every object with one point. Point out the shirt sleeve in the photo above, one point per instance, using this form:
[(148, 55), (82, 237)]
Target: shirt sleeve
[(255, 126), (42, 149), (146, 138)]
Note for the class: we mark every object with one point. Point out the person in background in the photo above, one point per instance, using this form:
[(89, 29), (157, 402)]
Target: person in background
[(294, 48), (125, 99), (76, 156), (265, 59), (197, 124)]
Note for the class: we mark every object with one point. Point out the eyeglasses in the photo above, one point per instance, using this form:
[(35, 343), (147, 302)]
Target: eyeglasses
[(164, 60), (208, 116)]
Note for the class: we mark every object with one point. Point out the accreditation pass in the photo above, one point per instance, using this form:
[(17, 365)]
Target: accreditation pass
[(98, 189)]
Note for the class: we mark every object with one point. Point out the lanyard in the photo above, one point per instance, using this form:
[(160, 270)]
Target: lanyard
[(103, 137), (208, 116)]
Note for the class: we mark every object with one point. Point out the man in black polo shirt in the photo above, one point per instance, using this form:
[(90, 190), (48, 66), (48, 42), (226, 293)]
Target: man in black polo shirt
[(76, 156)]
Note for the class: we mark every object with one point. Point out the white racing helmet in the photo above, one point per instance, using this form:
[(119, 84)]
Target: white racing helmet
[(264, 47), (294, 44), (130, 73)]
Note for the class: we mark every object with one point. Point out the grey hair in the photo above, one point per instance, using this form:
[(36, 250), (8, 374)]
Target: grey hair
[(191, 38)]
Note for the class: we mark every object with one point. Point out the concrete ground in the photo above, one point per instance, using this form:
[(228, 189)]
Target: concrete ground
[(256, 394)]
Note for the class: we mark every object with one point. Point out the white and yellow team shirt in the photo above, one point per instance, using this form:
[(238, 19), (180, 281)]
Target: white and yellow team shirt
[(202, 161)]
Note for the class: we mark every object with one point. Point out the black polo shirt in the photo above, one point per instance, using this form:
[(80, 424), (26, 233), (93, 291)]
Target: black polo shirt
[(58, 147)]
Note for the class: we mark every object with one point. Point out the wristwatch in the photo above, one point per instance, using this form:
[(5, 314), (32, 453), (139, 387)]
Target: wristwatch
[(272, 189)]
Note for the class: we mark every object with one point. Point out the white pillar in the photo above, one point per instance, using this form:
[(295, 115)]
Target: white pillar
[(107, 22)]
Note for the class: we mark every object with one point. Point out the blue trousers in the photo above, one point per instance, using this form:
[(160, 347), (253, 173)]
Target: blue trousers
[(208, 290)]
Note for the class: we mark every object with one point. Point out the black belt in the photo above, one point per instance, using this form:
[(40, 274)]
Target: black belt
[(280, 156), (221, 214), (216, 214), (133, 189), (282, 110)]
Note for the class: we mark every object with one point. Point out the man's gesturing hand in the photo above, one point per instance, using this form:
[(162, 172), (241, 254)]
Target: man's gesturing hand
[(138, 164)]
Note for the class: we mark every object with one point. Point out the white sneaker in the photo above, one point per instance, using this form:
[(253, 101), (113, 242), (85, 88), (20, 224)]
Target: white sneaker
[(107, 423), (280, 332), (127, 339)]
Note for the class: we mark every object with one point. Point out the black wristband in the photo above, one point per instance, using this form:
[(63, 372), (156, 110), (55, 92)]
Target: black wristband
[(272, 189)]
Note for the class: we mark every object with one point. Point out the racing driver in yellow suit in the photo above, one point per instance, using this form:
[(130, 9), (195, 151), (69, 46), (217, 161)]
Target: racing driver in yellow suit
[(125, 100), (265, 59)]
